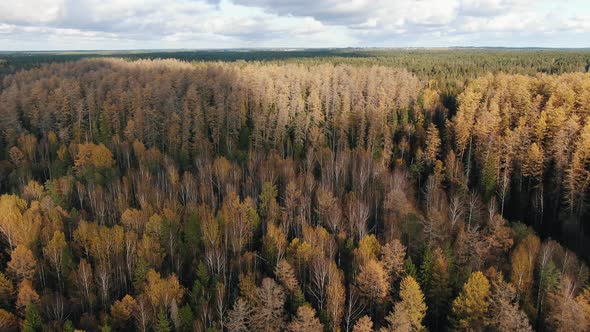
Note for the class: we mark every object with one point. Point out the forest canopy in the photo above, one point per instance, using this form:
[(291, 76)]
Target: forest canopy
[(298, 195)]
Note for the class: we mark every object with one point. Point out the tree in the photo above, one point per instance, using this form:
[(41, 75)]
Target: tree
[(439, 288), (577, 180), (372, 280), (393, 255), (566, 311), (274, 244), (524, 258), (8, 322), (97, 156), (504, 313), (122, 312), (354, 308), (68, 326), (409, 312), (432, 144), (306, 321), (336, 297), (162, 323), (583, 303), (286, 276), (6, 291), (267, 204), (33, 321), (142, 313), (363, 324), (55, 253), (12, 208), (268, 312), (186, 319), (238, 316), (161, 292), (26, 296), (83, 279), (471, 306)]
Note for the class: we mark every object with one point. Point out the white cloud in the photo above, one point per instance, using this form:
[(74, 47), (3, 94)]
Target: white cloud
[(30, 11), (109, 24)]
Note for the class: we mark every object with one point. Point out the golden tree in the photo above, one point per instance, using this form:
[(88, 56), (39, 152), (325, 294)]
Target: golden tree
[(409, 312), (471, 306), (524, 258), (363, 324), (26, 295), (373, 281), (122, 311), (305, 321), (8, 321), (286, 275), (161, 292), (55, 252), (22, 263)]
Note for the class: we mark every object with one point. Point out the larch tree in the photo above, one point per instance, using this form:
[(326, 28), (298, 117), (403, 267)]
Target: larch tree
[(26, 295), (433, 143), (305, 321), (410, 311), (286, 275), (363, 324), (373, 281), (577, 180), (267, 314), (439, 290), (393, 256), (471, 306), (239, 316), (6, 291), (8, 321)]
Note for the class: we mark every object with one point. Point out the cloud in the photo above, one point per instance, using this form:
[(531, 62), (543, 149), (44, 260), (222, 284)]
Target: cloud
[(109, 24)]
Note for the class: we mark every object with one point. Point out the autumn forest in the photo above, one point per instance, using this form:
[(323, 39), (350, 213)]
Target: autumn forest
[(368, 191)]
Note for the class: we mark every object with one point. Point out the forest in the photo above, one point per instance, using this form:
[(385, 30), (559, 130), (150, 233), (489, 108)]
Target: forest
[(344, 190)]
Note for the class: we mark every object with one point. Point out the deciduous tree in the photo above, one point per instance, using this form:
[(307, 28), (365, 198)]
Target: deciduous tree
[(471, 306)]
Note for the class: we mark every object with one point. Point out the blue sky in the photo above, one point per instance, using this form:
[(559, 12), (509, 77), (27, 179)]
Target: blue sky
[(204, 24)]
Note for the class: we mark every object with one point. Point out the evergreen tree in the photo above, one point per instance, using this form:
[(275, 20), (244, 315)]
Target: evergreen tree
[(33, 321), (162, 324), (186, 317), (439, 291)]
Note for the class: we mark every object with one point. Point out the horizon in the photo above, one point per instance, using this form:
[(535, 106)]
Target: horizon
[(291, 49)]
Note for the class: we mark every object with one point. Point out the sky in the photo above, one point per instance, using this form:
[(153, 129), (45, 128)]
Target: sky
[(214, 24)]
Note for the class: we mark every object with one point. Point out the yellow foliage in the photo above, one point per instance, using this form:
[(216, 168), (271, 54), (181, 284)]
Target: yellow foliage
[(161, 292), (373, 281), (471, 306), (90, 154)]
